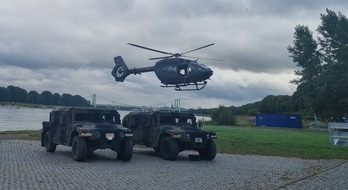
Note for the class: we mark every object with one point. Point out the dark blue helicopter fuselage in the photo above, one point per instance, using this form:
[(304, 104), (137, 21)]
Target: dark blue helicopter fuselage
[(181, 71)]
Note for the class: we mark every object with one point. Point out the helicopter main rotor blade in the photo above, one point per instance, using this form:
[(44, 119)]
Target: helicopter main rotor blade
[(213, 59), (154, 58), (149, 49), (198, 48)]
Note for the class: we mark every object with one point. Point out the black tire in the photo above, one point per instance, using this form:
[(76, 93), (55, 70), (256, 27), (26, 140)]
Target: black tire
[(79, 148), (126, 152), (210, 152), (49, 145), (156, 149), (169, 148)]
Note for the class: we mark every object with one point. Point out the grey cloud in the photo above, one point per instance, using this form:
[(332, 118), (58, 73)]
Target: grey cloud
[(52, 44)]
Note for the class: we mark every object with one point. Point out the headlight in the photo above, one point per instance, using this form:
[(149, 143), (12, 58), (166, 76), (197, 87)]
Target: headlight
[(129, 131), (84, 132), (175, 134), (187, 136)]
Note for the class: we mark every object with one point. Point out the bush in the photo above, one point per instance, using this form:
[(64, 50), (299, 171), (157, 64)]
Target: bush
[(223, 116)]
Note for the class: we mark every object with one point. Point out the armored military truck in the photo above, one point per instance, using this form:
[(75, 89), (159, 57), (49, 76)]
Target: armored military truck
[(85, 130), (170, 133)]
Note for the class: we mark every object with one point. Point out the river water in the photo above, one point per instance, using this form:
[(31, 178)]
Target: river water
[(13, 118)]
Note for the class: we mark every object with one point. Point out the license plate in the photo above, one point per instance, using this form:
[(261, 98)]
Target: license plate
[(109, 136), (198, 140)]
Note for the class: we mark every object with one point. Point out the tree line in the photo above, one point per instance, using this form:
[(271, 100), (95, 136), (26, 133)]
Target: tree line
[(322, 77), (19, 95)]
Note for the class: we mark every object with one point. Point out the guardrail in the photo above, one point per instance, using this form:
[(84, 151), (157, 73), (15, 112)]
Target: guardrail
[(338, 133)]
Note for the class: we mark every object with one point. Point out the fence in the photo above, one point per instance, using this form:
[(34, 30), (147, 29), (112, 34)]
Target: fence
[(338, 133)]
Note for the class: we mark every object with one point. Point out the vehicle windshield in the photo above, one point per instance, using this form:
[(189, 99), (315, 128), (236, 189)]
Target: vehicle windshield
[(179, 121), (107, 117), (184, 121), (97, 117)]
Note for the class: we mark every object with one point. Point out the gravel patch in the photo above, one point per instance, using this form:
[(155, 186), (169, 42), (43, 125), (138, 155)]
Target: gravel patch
[(26, 165)]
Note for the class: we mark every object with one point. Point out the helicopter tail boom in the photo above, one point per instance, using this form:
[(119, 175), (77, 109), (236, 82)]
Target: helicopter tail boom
[(120, 70)]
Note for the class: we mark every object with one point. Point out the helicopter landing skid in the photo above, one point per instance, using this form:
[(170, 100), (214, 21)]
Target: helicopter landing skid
[(179, 87)]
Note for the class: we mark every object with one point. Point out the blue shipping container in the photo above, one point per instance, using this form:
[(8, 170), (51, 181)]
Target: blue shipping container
[(279, 120)]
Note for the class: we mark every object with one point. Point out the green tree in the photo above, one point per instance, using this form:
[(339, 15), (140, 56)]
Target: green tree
[(80, 101), (223, 116), (275, 104), (56, 99), (47, 97), (67, 100), (5, 94), (333, 85), (322, 82), (305, 54), (35, 98), (17, 94)]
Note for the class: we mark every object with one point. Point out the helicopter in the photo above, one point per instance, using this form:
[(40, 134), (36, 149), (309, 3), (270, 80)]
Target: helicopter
[(172, 70)]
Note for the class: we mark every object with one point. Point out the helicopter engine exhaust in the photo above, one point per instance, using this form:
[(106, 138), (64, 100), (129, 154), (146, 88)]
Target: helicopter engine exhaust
[(120, 71)]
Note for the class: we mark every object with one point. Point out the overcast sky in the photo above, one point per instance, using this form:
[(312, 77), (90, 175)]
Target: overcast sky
[(67, 46)]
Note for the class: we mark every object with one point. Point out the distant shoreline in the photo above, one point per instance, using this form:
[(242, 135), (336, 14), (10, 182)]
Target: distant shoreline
[(28, 105)]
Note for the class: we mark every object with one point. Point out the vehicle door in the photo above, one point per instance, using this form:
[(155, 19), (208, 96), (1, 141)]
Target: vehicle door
[(63, 126), (145, 129), (132, 122), (55, 121)]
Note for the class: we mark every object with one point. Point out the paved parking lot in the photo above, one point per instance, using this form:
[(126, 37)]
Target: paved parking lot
[(26, 165)]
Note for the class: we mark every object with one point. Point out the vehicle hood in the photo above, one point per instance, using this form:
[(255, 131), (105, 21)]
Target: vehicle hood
[(101, 126), (185, 129)]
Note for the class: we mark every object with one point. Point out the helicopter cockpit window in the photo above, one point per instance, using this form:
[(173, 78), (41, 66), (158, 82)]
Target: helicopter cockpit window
[(193, 67), (203, 67)]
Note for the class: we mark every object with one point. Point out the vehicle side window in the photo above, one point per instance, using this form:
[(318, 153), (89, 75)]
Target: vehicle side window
[(166, 120), (83, 116)]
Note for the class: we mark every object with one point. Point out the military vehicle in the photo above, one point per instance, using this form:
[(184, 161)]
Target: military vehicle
[(170, 133), (86, 130)]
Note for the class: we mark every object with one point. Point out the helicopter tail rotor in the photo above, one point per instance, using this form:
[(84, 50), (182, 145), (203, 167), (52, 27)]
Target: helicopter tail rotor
[(120, 70)]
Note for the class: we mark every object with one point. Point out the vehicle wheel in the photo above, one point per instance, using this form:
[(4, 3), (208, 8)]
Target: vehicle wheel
[(156, 149), (127, 151), (210, 152), (49, 145), (169, 149), (79, 148)]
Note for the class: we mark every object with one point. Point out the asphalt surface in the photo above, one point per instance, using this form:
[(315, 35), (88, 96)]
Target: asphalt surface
[(26, 165)]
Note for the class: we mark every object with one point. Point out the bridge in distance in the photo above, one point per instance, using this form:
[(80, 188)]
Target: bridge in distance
[(174, 105)]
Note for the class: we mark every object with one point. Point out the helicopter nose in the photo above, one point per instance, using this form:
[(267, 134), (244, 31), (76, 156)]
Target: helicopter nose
[(210, 72)]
